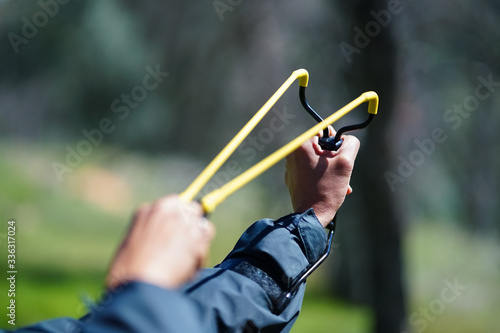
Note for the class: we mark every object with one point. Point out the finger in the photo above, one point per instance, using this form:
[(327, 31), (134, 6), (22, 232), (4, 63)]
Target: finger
[(174, 209), (167, 204), (331, 131), (191, 212), (209, 230), (350, 146), (196, 208), (205, 236), (142, 211), (203, 229), (140, 217)]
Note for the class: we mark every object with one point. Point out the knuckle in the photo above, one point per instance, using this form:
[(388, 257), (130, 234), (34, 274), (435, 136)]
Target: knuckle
[(352, 141), (161, 205), (343, 164)]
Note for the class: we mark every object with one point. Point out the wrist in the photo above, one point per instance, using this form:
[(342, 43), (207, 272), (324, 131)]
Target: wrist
[(324, 214)]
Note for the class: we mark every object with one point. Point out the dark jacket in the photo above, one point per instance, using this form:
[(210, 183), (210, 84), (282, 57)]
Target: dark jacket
[(245, 293)]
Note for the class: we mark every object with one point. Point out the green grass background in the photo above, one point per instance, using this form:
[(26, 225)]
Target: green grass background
[(67, 234)]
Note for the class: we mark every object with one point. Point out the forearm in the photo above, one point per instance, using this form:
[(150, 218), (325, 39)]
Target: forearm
[(247, 290), (143, 307)]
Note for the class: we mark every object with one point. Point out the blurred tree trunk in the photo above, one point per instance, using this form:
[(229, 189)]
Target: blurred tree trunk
[(378, 280)]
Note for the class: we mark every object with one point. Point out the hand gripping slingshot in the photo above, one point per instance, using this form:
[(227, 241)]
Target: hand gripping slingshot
[(210, 201)]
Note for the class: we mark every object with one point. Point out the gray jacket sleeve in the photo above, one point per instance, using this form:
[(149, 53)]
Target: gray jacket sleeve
[(133, 307), (244, 293)]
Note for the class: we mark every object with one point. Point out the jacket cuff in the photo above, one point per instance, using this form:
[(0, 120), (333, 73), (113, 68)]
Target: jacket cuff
[(283, 249), (312, 235)]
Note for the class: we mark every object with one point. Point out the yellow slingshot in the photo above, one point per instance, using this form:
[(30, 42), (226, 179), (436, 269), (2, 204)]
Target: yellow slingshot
[(214, 198)]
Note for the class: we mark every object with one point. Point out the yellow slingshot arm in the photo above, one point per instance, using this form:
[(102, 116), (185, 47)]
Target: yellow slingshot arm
[(214, 198), (219, 160)]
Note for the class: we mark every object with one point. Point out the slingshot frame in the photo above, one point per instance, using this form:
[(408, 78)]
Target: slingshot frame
[(214, 198)]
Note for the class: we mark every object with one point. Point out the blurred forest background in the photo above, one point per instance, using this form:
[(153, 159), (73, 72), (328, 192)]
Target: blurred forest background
[(106, 104)]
